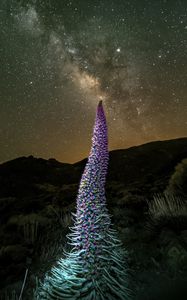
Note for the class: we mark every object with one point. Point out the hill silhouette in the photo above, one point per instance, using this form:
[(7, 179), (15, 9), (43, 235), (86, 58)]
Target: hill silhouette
[(138, 164)]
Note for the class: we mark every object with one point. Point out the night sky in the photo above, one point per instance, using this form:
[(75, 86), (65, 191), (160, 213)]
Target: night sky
[(59, 58)]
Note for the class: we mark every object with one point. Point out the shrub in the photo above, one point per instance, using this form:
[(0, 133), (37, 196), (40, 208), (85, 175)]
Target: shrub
[(29, 224), (168, 209), (178, 181)]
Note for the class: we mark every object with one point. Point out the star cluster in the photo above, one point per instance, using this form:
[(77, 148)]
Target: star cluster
[(59, 58)]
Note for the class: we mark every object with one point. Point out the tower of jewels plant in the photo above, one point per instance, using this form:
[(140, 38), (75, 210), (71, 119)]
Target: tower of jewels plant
[(95, 267)]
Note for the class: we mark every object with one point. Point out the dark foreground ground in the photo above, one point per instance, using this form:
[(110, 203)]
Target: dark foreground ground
[(37, 197)]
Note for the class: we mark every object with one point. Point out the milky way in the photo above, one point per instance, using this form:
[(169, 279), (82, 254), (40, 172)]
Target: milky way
[(59, 58)]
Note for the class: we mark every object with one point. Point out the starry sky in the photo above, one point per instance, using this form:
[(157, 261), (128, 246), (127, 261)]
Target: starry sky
[(59, 58)]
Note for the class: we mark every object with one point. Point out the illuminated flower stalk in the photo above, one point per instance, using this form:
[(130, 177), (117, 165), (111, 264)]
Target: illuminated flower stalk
[(95, 267)]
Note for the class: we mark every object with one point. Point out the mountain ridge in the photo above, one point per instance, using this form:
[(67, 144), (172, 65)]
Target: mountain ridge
[(111, 151), (138, 163)]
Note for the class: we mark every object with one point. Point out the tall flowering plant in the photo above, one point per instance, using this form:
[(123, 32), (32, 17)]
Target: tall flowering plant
[(95, 267)]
